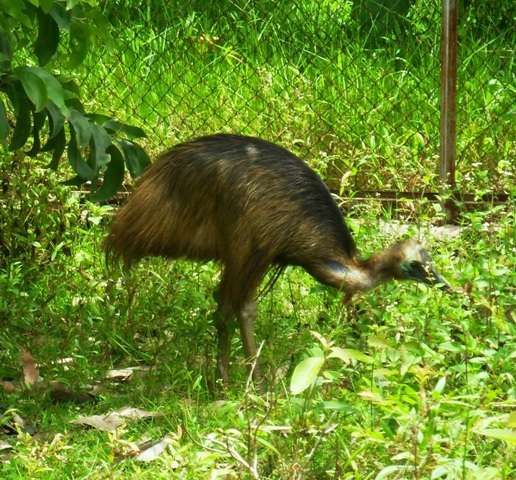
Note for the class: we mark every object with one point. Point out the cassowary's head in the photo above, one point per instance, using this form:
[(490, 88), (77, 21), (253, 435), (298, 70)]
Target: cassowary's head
[(415, 263)]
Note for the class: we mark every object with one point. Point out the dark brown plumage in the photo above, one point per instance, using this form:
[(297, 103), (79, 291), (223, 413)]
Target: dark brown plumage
[(249, 204)]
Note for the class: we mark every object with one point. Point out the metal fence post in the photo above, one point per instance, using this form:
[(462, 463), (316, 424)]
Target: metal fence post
[(448, 102)]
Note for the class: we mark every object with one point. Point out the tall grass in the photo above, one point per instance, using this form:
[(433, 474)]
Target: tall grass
[(357, 95)]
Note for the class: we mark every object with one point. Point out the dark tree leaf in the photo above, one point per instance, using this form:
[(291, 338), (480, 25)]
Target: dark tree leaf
[(34, 87), (98, 118), (54, 88), (21, 130), (4, 125), (56, 119), (135, 157), (62, 16), (58, 147), (100, 141), (74, 181), (81, 126), (114, 126), (48, 38), (76, 160), (22, 107), (39, 121), (113, 176)]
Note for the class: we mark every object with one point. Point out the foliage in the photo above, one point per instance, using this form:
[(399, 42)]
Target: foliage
[(408, 383), (358, 99), (405, 383), (36, 103)]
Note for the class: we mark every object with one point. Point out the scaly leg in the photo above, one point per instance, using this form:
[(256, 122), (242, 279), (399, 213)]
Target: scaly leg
[(246, 318), (223, 323)]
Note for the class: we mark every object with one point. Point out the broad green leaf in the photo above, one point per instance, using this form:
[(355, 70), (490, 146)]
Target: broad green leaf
[(347, 355), (16, 95), (100, 141), (305, 374), (506, 434), (39, 121), (81, 126), (113, 177), (34, 87), (80, 40), (48, 38), (76, 160), (54, 88), (61, 16), (56, 119), (99, 118), (114, 126), (58, 147), (21, 130), (22, 108), (135, 156), (51, 142), (4, 125), (74, 181)]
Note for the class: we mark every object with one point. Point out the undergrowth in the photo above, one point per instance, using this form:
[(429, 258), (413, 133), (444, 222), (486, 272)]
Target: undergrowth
[(426, 396)]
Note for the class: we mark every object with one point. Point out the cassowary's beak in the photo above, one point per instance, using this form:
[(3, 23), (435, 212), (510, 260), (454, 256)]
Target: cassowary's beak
[(434, 278)]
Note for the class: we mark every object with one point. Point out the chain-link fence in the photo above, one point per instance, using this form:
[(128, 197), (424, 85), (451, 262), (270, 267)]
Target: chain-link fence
[(351, 86)]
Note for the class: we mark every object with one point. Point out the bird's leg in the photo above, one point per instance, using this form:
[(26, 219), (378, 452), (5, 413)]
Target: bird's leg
[(246, 318), (224, 318), (223, 323)]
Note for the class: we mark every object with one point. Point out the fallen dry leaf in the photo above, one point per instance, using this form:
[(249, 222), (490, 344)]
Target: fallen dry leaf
[(106, 423), (5, 446), (30, 369), (111, 421), (135, 413), (150, 451), (124, 374)]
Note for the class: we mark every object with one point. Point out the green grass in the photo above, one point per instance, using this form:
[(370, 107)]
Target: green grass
[(359, 102), (441, 381)]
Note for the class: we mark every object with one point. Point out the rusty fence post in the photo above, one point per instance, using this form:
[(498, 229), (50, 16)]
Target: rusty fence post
[(448, 104)]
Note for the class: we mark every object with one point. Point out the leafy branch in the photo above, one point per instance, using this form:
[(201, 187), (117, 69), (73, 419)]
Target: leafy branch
[(41, 108)]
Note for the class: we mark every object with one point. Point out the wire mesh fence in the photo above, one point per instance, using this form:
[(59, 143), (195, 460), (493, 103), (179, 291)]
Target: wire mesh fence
[(351, 86)]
